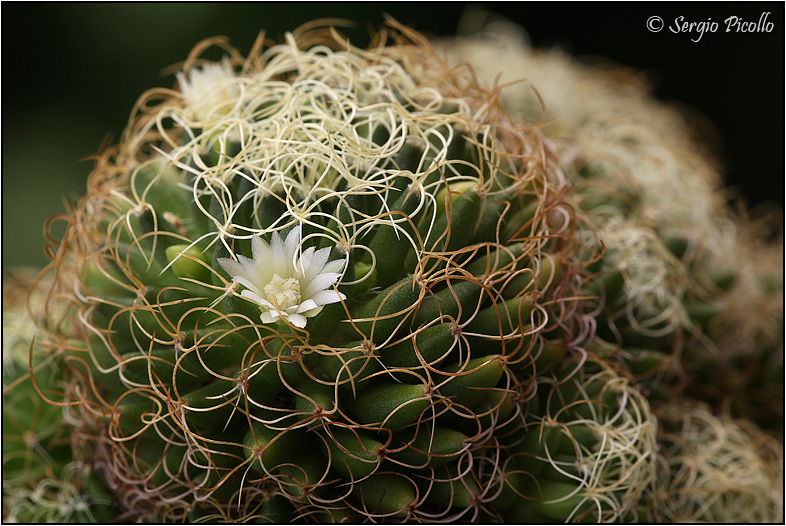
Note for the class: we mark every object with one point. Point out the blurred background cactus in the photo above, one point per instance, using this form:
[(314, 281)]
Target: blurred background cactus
[(325, 283), (716, 469), (682, 271)]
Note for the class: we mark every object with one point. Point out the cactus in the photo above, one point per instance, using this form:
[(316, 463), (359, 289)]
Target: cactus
[(42, 479), (308, 276), (716, 469), (325, 284), (675, 276), (679, 271), (590, 451)]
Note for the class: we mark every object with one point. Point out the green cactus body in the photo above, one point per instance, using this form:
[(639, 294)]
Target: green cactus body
[(299, 288), (592, 454)]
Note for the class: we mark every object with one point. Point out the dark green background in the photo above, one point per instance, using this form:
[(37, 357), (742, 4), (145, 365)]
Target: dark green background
[(72, 72)]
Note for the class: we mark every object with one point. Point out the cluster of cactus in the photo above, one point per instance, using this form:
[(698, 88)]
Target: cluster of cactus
[(326, 283), (691, 292), (688, 281)]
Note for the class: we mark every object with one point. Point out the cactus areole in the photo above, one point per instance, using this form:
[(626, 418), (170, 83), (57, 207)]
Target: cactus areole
[(317, 282)]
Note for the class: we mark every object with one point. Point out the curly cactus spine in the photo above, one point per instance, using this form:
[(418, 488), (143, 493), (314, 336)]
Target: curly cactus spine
[(325, 282), (592, 453), (716, 469), (44, 480)]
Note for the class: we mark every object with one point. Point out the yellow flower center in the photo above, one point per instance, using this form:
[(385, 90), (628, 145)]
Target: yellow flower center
[(283, 293)]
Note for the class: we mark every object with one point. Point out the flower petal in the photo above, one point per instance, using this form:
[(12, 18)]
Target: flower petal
[(245, 267), (292, 242), (316, 264), (337, 265), (256, 299), (312, 312), (304, 261), (307, 305), (244, 261), (259, 248), (231, 267), (321, 282), (278, 260), (269, 316), (298, 320), (325, 297), (248, 284)]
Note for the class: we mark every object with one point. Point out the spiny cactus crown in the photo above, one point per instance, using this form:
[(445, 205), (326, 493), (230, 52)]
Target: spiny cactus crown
[(320, 276)]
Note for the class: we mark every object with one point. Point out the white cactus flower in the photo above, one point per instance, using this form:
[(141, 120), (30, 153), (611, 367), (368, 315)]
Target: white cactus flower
[(283, 286), (209, 90)]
